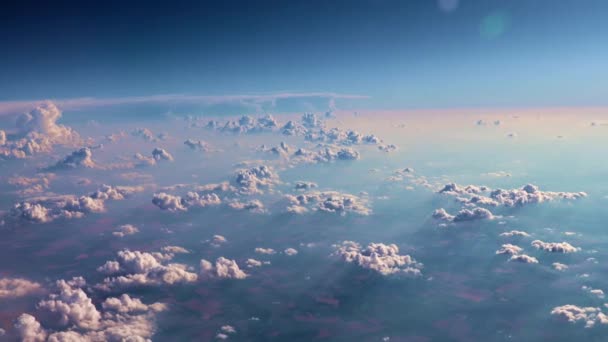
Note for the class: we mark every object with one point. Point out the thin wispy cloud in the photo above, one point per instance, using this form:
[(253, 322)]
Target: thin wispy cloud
[(255, 100)]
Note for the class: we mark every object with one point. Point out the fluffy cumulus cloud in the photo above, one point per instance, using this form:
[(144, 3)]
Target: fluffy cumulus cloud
[(126, 229), (47, 209), (144, 133), (268, 251), (223, 268), (301, 185), (254, 180), (119, 319), (254, 206), (158, 154), (555, 247), (245, 125), (38, 132), (559, 266), (384, 259), (463, 215), (197, 145), (472, 195), (290, 251), (135, 268), (324, 155), (81, 158), (516, 254), (328, 202), (589, 315), (515, 233), (18, 287), (509, 249)]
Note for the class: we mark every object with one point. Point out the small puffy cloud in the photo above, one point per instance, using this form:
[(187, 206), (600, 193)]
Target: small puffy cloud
[(254, 206), (120, 319), (595, 292), (197, 145), (261, 250), (515, 233), (324, 155), (293, 128), (218, 240), (78, 159), (559, 266), (301, 185), (223, 268), (574, 314), (310, 120), (290, 251), (384, 259), (245, 125), (144, 133), (329, 202), (388, 148), (126, 229), (47, 209), (555, 247), (253, 263), (254, 180), (161, 154), (175, 250), (192, 199), (464, 215), (523, 258), (18, 287), (137, 268), (509, 249)]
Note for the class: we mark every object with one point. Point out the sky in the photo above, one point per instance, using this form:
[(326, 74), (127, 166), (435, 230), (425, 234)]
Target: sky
[(399, 54)]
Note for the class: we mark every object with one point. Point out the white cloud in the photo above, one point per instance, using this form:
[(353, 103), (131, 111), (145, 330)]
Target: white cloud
[(509, 249), (559, 266), (18, 287), (513, 233), (523, 258), (254, 206), (198, 145), (384, 259), (175, 250), (555, 247), (223, 268), (253, 263), (261, 250), (327, 201), (137, 268), (254, 180), (126, 229), (291, 251), (573, 314), (464, 215)]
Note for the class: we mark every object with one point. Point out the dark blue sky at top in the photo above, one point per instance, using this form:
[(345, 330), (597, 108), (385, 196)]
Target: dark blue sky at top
[(403, 54)]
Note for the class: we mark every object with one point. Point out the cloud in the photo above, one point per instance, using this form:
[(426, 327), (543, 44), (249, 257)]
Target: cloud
[(175, 250), (310, 120), (245, 125), (254, 180), (137, 268), (513, 233), (267, 251), (123, 318), (595, 292), (80, 158), (523, 258), (328, 202), (559, 266), (464, 215), (324, 155), (223, 268), (509, 249), (18, 287), (573, 314), (197, 145), (47, 209), (301, 185), (254, 206), (126, 229), (38, 132), (555, 247), (11, 107), (144, 133), (192, 199), (253, 263), (481, 195), (290, 251), (293, 128), (384, 259)]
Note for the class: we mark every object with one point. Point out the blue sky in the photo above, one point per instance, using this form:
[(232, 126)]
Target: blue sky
[(403, 54)]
